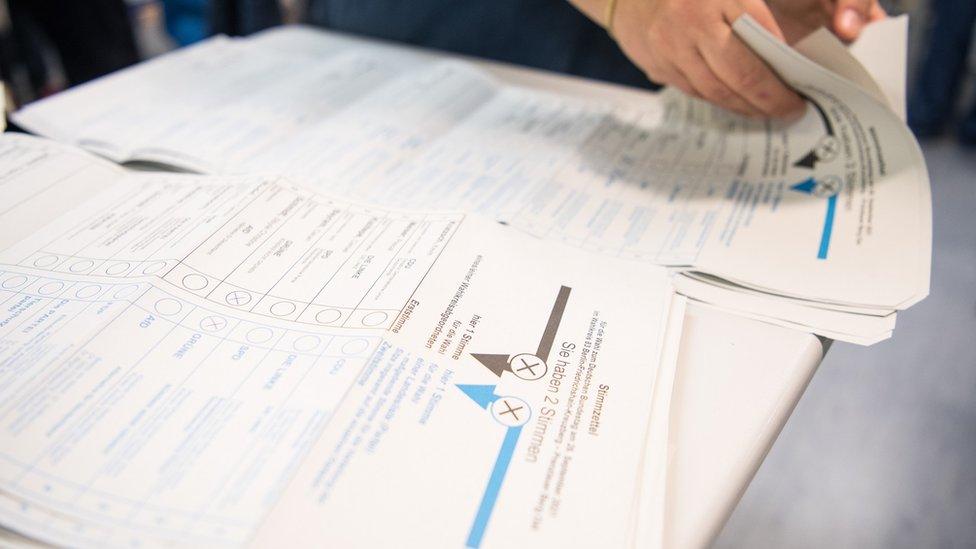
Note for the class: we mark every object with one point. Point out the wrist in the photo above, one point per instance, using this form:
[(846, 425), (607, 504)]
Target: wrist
[(601, 12), (609, 14)]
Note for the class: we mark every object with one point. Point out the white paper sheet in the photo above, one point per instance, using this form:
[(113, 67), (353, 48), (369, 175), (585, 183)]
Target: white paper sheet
[(650, 511), (174, 350), (833, 208), (859, 227), (843, 325)]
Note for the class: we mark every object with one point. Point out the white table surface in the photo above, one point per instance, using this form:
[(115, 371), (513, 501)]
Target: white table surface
[(737, 381)]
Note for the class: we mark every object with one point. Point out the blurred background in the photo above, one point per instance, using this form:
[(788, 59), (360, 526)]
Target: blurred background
[(880, 451), (49, 45)]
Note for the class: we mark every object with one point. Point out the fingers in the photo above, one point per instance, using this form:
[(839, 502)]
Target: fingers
[(877, 12), (675, 77), (850, 17), (759, 11), (690, 45), (741, 70), (711, 88), (680, 81)]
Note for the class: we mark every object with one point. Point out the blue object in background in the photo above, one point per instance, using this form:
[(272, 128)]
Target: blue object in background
[(187, 20), (947, 46)]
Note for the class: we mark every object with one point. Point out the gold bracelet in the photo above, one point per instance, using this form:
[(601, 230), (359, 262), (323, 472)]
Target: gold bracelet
[(608, 15)]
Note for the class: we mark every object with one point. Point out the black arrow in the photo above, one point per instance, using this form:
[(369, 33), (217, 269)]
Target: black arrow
[(496, 363), (499, 363), (808, 161)]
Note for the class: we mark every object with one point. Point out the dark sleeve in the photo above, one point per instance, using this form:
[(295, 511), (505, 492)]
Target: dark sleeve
[(243, 17), (92, 38), (546, 34)]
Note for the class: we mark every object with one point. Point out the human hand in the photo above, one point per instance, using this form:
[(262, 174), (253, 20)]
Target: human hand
[(689, 44), (846, 18)]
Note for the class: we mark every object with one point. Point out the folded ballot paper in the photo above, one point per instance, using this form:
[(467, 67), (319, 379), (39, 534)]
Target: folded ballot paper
[(223, 360), (823, 224)]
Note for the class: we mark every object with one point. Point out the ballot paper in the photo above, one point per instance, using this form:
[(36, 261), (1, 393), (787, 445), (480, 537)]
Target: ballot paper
[(829, 213), (224, 360)]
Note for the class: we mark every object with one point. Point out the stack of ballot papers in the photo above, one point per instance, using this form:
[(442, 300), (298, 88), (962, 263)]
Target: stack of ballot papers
[(406, 298), (823, 224), (213, 360)]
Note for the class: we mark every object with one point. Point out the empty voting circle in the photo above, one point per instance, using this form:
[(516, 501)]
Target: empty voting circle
[(195, 282), (45, 261), (14, 282), (125, 291), (283, 308), (328, 316), (49, 288), (117, 269), (81, 266), (510, 411), (259, 335), (213, 323), (237, 298), (88, 291), (168, 306), (375, 318), (354, 347), (306, 343), (153, 268)]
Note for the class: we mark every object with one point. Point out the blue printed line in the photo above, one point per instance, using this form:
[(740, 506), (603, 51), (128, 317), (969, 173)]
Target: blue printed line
[(828, 227), (494, 486)]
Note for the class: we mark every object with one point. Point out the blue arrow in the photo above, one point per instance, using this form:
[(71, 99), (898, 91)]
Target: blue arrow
[(490, 497), (483, 395), (828, 228), (806, 186)]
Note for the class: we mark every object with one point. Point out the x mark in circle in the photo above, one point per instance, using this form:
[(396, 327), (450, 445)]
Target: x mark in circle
[(213, 323), (238, 298), (510, 410), (527, 366)]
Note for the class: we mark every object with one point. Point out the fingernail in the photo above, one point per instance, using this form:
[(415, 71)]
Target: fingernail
[(851, 20)]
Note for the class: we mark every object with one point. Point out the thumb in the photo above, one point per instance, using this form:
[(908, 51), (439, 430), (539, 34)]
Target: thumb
[(850, 16)]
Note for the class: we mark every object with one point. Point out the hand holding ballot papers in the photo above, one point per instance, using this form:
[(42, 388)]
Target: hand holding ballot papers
[(823, 224), (408, 298)]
